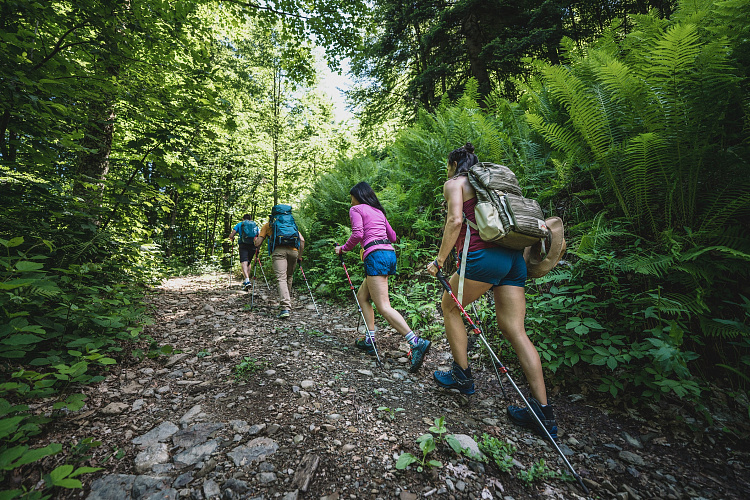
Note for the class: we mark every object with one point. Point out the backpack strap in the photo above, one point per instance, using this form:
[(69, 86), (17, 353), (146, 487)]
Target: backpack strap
[(464, 253)]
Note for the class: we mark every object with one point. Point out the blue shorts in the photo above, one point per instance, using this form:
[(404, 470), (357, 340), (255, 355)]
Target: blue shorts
[(497, 266), (380, 263)]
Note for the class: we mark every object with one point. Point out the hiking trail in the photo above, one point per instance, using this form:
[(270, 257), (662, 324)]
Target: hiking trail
[(253, 407)]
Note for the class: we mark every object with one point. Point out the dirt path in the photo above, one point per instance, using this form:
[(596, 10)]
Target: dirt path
[(254, 407)]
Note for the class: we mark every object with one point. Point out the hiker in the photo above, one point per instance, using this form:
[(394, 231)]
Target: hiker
[(488, 266), (371, 230), (285, 246), (248, 230)]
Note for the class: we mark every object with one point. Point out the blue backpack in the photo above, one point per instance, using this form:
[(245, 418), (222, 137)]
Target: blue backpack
[(248, 231), (284, 230)]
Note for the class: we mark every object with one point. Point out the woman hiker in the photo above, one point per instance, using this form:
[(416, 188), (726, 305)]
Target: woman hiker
[(371, 229), (487, 266)]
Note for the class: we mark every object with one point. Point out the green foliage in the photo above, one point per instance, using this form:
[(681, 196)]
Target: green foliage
[(498, 451), (426, 444), (390, 413), (247, 367)]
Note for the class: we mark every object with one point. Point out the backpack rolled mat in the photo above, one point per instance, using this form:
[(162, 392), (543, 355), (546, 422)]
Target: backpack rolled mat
[(284, 230), (248, 231)]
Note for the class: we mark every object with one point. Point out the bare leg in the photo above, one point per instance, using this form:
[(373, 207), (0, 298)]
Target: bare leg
[(454, 324), (510, 307), (378, 291), (246, 270), (363, 295)]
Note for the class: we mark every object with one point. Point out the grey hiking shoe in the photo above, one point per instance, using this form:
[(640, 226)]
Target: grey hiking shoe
[(283, 314), (521, 416), (417, 354)]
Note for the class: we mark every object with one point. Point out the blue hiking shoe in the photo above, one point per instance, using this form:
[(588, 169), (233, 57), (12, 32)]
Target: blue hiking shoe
[(417, 354), (362, 345), (455, 378), (521, 416), (283, 314)]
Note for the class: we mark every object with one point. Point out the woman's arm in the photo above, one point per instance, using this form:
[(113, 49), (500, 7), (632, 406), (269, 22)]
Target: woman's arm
[(453, 193), (358, 230)]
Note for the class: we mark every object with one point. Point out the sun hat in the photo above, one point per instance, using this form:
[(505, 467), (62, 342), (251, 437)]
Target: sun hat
[(541, 257)]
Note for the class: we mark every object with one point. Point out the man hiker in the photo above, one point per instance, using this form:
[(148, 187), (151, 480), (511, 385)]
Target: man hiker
[(285, 246), (248, 230)]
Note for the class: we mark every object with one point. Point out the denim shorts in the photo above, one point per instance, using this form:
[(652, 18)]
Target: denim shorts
[(380, 263), (497, 266)]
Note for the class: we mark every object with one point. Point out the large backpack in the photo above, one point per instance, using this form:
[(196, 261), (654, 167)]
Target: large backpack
[(248, 231), (284, 230), (503, 215)]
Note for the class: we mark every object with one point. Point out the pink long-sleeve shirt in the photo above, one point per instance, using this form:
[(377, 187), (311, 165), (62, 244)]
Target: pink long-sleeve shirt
[(368, 224)]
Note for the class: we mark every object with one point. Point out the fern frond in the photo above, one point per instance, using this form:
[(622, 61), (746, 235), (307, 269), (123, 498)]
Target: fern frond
[(725, 329), (649, 265)]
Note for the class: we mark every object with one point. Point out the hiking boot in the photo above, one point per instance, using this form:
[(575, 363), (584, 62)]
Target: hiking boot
[(362, 345), (417, 354), (283, 314), (246, 284), (521, 416), (455, 378)]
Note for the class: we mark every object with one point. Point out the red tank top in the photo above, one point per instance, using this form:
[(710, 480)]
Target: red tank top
[(475, 241)]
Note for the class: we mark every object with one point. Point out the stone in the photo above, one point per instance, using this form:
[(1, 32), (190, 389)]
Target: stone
[(266, 477), (632, 441), (307, 384), (112, 487), (211, 489), (294, 495), (196, 434), (470, 445), (158, 434), (305, 471), (156, 453), (193, 455), (183, 480), (132, 388), (137, 404), (256, 429), (239, 426), (405, 495), (115, 408), (191, 414), (153, 487), (631, 458), (256, 449)]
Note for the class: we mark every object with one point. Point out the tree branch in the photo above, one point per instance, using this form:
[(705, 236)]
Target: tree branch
[(269, 9), (59, 46)]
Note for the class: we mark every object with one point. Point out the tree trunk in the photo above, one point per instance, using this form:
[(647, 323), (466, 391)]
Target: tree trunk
[(474, 44)]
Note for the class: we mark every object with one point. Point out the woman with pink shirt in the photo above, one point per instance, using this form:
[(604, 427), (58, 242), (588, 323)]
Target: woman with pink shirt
[(371, 229)]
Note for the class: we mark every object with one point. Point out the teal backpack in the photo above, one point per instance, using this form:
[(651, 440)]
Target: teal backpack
[(284, 230), (248, 231)]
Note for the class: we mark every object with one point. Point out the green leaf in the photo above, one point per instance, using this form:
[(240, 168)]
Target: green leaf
[(22, 339), (14, 242), (84, 470), (405, 460), (434, 463), (26, 266), (38, 454), (60, 472)]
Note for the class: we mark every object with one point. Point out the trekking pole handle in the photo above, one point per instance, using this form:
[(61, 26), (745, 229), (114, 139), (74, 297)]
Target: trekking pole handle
[(441, 277)]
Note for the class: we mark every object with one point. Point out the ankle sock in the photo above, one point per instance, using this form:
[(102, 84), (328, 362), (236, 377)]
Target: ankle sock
[(412, 338), (370, 337)]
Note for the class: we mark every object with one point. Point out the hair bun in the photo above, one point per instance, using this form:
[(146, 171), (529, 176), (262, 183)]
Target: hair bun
[(469, 147)]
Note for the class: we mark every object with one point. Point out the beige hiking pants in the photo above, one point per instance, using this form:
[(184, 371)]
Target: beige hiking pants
[(284, 259)]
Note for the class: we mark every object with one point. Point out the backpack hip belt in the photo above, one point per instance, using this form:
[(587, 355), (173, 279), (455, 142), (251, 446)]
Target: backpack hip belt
[(377, 242)]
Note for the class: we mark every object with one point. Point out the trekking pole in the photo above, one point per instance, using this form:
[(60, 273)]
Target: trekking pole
[(504, 370), (375, 347), (494, 365), (308, 287), (231, 265), (257, 260), (252, 297)]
